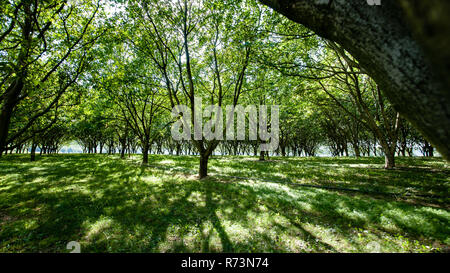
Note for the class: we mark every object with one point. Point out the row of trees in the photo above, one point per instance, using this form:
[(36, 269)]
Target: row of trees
[(108, 74), (335, 134)]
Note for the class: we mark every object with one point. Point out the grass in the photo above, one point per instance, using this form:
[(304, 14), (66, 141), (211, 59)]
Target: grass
[(112, 205)]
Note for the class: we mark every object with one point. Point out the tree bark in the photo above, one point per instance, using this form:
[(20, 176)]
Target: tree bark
[(145, 154), (6, 111), (122, 152), (430, 25), (178, 149), (33, 152), (389, 160), (283, 150), (261, 156), (379, 37), (203, 171), (357, 151)]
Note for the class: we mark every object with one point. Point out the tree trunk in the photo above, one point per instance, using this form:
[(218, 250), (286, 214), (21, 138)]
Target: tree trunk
[(33, 152), (203, 171), (357, 152), (145, 154), (403, 149), (261, 156), (380, 39), (178, 149), (283, 150), (10, 101), (122, 152), (356, 148), (389, 160)]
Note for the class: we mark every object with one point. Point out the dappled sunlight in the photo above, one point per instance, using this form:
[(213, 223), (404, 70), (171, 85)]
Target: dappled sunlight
[(117, 206), (197, 198), (97, 228), (167, 162), (151, 179)]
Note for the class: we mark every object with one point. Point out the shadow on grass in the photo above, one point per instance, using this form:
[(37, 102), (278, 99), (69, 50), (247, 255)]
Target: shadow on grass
[(109, 205)]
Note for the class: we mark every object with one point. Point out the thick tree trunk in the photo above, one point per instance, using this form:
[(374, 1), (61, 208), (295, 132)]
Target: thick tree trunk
[(389, 155), (380, 39), (389, 160), (5, 118), (145, 154), (431, 27), (203, 170), (356, 148), (10, 98)]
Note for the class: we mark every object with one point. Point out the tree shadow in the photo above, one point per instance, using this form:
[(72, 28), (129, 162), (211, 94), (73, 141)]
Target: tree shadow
[(109, 205)]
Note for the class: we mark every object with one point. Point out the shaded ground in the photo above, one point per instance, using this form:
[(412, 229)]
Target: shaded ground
[(113, 205)]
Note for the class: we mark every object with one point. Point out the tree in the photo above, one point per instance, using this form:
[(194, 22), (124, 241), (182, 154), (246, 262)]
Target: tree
[(361, 99), (214, 67), (43, 45), (379, 38), (141, 101)]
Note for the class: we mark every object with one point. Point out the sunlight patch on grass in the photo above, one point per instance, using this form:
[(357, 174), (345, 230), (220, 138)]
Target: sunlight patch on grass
[(236, 232), (98, 227), (37, 169), (353, 214), (151, 179), (198, 198), (167, 162)]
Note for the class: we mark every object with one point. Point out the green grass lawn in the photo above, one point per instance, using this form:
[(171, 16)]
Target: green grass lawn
[(113, 205)]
